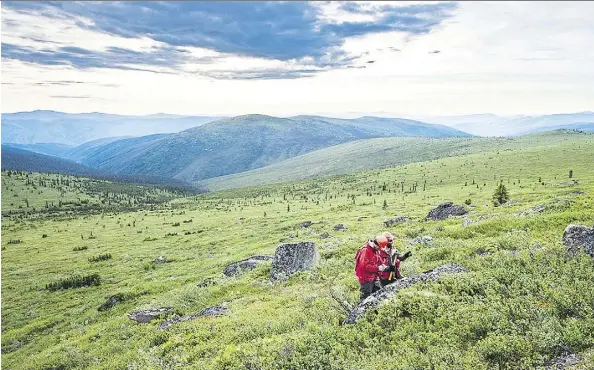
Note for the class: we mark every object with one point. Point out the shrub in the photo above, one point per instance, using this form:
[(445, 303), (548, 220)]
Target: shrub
[(74, 282), (101, 257), (149, 239), (83, 248), (15, 241), (468, 202), (44, 236)]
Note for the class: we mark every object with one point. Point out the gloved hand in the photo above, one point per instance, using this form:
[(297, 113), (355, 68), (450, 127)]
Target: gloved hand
[(406, 255)]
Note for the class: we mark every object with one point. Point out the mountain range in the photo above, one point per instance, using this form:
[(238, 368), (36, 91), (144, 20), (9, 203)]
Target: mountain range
[(231, 145)]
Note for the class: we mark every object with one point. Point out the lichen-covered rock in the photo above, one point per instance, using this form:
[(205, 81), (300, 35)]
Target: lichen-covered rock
[(247, 264), (445, 210), (577, 237), (537, 209), (148, 315), (293, 257), (208, 311), (390, 290), (396, 220), (305, 224), (160, 260), (339, 227), (325, 235), (425, 240), (562, 362)]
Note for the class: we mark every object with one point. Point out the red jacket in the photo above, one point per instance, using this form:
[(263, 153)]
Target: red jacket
[(385, 260), (367, 263)]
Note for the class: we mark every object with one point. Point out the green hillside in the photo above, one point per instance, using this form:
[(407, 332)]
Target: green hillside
[(522, 302), (377, 153)]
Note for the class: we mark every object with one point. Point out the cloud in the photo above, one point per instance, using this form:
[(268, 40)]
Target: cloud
[(293, 32), (71, 96)]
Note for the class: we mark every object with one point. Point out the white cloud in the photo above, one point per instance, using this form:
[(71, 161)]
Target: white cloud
[(499, 57)]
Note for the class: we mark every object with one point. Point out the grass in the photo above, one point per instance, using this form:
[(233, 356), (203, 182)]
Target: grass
[(521, 304)]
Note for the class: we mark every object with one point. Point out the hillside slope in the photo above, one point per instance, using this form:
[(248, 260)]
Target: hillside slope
[(522, 303), (372, 153)]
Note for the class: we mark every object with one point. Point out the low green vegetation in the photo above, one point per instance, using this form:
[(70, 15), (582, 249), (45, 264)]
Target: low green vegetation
[(522, 302)]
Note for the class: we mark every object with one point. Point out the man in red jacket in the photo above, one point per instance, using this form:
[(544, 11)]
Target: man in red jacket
[(368, 265), (387, 253)]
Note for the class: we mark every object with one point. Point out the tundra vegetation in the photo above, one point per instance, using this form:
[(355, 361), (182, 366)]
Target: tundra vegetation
[(523, 301)]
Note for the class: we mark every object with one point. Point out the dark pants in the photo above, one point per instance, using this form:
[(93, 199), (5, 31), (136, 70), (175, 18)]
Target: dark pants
[(367, 289)]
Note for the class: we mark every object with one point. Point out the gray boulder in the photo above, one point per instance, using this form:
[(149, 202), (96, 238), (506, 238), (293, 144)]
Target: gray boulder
[(445, 210), (390, 290), (339, 227), (208, 311), (396, 220), (247, 264), (425, 240), (577, 237), (292, 257), (325, 235), (305, 224), (148, 315), (160, 260)]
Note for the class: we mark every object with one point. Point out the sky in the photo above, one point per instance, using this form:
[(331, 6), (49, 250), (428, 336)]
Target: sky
[(286, 58)]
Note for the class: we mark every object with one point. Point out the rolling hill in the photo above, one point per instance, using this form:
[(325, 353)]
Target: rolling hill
[(374, 153), (75, 129), (244, 143)]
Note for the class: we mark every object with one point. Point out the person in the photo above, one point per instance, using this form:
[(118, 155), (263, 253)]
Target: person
[(389, 256), (368, 265)]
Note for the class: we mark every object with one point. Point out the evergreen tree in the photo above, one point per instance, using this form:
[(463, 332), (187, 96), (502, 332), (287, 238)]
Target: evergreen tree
[(501, 196)]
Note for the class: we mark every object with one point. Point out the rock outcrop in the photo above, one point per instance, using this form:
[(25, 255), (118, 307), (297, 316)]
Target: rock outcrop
[(148, 315), (425, 240), (292, 257), (236, 268), (396, 220), (562, 362), (340, 227), (325, 235), (305, 224), (389, 291), (577, 237), (445, 210), (208, 311)]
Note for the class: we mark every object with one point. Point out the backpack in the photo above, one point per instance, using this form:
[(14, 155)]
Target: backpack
[(358, 255)]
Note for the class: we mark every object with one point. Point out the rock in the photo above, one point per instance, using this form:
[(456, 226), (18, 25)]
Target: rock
[(425, 239), (562, 362), (113, 300), (161, 259), (537, 209), (325, 236), (391, 290), (305, 224), (577, 237), (148, 315), (206, 282), (439, 228), (445, 210), (247, 264), (396, 220), (361, 218), (208, 311), (293, 257), (340, 227), (468, 221)]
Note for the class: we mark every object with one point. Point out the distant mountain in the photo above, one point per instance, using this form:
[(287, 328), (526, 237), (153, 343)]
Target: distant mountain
[(582, 126), (23, 160), (245, 142), (377, 153), (57, 150), (74, 129), (492, 125)]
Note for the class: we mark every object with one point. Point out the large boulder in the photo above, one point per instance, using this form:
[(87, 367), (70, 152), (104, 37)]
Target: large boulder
[(148, 315), (577, 237), (445, 210), (251, 263), (390, 290), (567, 361), (208, 311), (293, 257)]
